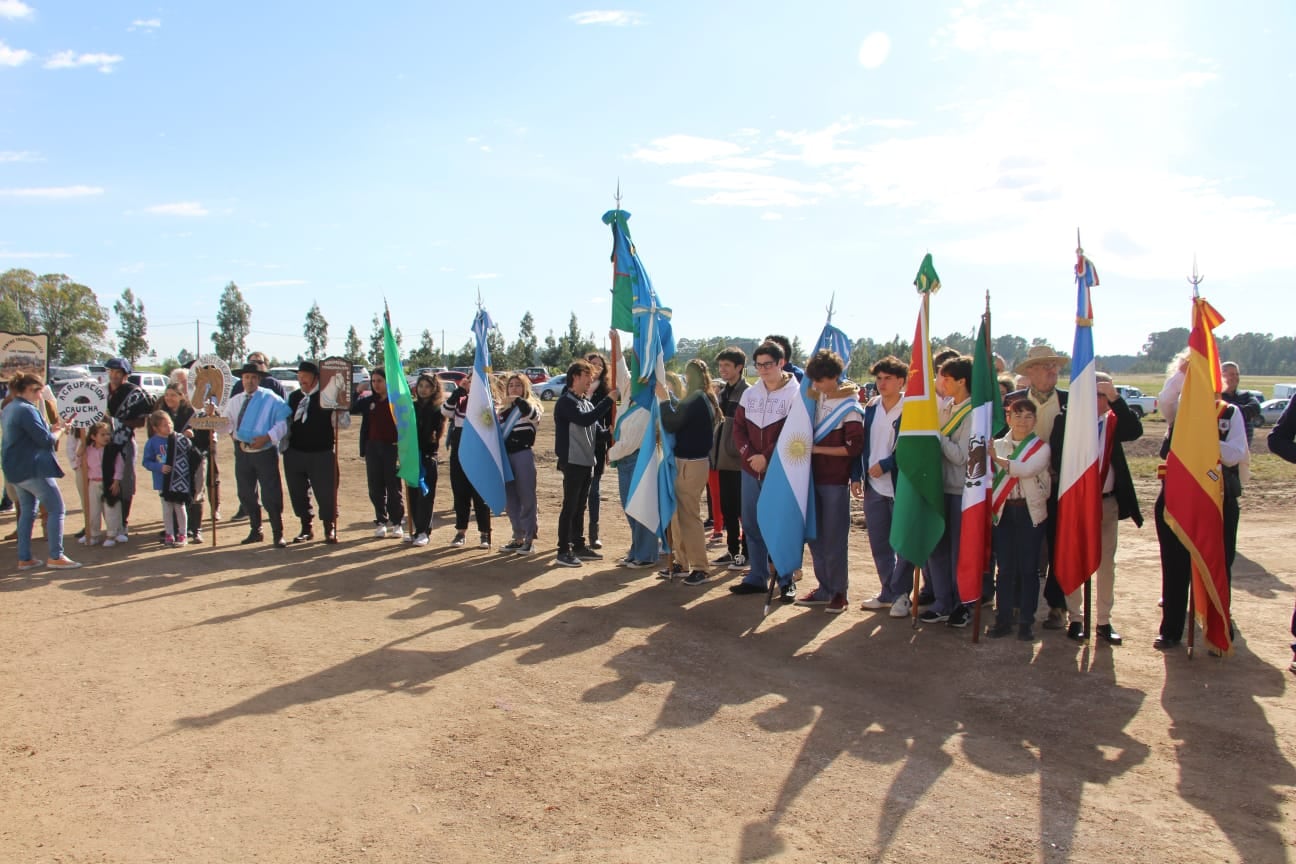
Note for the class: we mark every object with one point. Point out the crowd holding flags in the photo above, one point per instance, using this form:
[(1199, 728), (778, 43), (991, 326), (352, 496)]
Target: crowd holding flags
[(1194, 490), (481, 446), (919, 519)]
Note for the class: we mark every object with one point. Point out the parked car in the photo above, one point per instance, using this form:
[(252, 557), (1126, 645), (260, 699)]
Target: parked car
[(537, 374), (359, 381), (454, 376), (286, 376), (99, 373), (1271, 410), (1284, 391), (60, 375), (150, 382), (1139, 404), (552, 388)]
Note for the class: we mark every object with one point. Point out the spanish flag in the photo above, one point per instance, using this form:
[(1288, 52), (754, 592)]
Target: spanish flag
[(1194, 490)]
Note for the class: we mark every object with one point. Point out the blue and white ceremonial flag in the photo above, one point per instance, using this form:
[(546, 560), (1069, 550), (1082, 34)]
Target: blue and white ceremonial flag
[(481, 443), (785, 508), (836, 341), (651, 498)]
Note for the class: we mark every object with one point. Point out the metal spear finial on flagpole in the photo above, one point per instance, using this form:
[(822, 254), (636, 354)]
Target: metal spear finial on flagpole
[(618, 194), (832, 301), (1079, 248), (1196, 279)]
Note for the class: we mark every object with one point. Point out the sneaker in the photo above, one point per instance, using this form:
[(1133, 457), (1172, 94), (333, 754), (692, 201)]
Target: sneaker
[(168, 540), (121, 538), (715, 540), (670, 572), (875, 603), (63, 563), (196, 537), (420, 540), (746, 588), (396, 532), (408, 538), (380, 531), (998, 631), (739, 562), (1292, 667), (566, 559), (30, 564), (596, 543), (525, 549), (180, 541), (483, 541), (83, 540), (902, 607), (787, 593), (960, 617), (109, 542), (511, 546), (931, 616), (816, 597), (1026, 633), (836, 605), (697, 577), (585, 553), (926, 598), (631, 564), (459, 539), (723, 559)]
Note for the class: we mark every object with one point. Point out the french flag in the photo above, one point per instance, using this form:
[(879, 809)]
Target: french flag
[(1078, 549)]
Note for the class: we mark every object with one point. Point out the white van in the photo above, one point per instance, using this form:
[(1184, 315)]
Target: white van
[(1284, 391)]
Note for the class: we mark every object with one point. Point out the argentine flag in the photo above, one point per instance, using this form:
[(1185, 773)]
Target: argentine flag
[(481, 445), (785, 508)]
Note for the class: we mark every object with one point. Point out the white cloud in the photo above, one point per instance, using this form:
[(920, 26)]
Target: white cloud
[(771, 217), (683, 149), (484, 276), (147, 24), (53, 192), (13, 56), (485, 148), (15, 9), (19, 156), (874, 49), (745, 189), (72, 60), (277, 283), (609, 17), (889, 123), (32, 256), (179, 208)]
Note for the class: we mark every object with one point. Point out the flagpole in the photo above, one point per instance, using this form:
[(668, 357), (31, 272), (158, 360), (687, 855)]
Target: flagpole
[(913, 607), (1088, 583), (1195, 281), (976, 609)]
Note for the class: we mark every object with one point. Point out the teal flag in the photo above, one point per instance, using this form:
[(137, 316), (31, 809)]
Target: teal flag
[(402, 405)]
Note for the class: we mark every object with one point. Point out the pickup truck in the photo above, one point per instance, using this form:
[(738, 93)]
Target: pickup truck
[(1139, 404)]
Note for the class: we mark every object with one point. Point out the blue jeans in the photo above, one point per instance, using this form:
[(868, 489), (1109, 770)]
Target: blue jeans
[(46, 491), (895, 573), (643, 543), (828, 549), (759, 557), (1018, 543)]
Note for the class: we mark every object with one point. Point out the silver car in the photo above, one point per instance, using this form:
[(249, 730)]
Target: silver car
[(1270, 411)]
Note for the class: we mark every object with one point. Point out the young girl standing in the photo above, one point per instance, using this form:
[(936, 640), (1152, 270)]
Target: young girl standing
[(171, 459), (428, 397), (104, 487), (520, 416)]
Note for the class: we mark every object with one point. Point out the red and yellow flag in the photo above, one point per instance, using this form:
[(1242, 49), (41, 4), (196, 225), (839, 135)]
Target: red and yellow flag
[(1194, 484)]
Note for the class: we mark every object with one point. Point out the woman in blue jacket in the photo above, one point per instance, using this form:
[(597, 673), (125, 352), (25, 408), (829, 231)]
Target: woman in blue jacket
[(27, 457)]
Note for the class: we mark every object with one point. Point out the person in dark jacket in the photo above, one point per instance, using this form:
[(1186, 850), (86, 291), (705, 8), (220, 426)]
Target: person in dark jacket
[(730, 364), (27, 459), (378, 448), (519, 417), (1116, 425), (309, 460), (600, 387), (575, 419), (430, 422), (1282, 443)]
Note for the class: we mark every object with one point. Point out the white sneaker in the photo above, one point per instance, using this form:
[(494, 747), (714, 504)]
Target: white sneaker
[(395, 531), (902, 607), (380, 531), (420, 540), (83, 540), (121, 538), (875, 603), (408, 538), (109, 543)]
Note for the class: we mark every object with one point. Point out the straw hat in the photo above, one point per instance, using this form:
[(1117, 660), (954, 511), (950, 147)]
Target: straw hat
[(1038, 355)]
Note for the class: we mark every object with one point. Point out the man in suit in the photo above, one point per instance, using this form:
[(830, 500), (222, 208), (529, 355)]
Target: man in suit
[(1041, 366), (1116, 424)]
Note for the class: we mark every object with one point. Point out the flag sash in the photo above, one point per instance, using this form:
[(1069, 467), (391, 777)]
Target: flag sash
[(824, 427), (956, 419), (1005, 483), (511, 420)]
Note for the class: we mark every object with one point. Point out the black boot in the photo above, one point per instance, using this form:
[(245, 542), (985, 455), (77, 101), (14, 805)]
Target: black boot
[(306, 532)]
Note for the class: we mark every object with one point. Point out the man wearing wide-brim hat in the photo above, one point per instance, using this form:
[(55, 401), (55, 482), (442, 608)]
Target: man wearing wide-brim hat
[(258, 422), (1041, 366), (309, 461)]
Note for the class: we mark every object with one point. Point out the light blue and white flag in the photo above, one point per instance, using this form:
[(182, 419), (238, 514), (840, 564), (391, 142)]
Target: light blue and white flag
[(651, 498), (481, 443), (835, 340), (785, 508)]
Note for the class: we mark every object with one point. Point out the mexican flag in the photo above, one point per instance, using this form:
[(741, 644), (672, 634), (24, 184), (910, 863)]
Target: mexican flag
[(986, 415), (919, 518)]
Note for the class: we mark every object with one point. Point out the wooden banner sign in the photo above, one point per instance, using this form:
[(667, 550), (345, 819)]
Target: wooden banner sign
[(210, 383), (23, 352), (81, 404), (335, 383)]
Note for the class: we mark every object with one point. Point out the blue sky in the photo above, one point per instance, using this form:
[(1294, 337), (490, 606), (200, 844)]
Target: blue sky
[(770, 153)]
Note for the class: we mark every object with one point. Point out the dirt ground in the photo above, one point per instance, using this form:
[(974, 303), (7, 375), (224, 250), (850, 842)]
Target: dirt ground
[(371, 702)]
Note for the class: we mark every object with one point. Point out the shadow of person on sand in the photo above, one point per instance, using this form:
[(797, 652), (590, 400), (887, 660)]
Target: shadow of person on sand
[(1252, 577), (1231, 765)]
